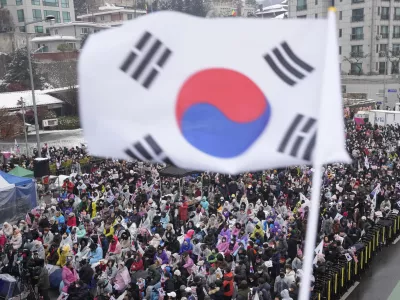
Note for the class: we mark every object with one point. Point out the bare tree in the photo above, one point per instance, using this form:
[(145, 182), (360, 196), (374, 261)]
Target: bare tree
[(10, 125), (356, 58), (6, 22)]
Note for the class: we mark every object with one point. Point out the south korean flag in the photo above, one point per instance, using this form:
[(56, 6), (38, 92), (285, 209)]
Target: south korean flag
[(226, 95)]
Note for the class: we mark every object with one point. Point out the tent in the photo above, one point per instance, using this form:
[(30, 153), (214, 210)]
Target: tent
[(21, 172), (17, 196), (18, 181), (171, 171)]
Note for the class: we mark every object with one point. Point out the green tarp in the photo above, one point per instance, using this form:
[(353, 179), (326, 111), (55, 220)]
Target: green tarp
[(21, 172)]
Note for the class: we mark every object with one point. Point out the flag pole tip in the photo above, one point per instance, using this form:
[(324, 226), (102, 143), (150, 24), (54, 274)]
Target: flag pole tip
[(332, 8)]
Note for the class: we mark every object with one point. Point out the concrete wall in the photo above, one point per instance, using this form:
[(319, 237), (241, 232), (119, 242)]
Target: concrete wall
[(10, 41)]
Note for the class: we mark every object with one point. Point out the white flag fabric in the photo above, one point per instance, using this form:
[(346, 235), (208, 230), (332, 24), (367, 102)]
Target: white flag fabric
[(226, 95), (320, 248)]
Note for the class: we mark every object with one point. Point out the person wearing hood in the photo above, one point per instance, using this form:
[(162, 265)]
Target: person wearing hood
[(227, 284), (225, 232), (204, 203), (71, 221), (161, 254), (186, 247), (223, 245), (114, 249), (8, 230), (188, 263), (122, 278), (290, 275), (263, 289), (243, 291), (280, 283), (96, 253), (285, 295), (16, 239), (69, 276), (297, 262), (164, 219), (80, 231), (137, 264), (47, 237), (257, 229)]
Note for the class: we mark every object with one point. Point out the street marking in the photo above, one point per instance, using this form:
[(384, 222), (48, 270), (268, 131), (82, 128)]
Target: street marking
[(396, 240), (395, 295), (351, 289)]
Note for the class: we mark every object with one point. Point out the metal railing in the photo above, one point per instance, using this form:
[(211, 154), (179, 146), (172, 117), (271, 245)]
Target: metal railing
[(385, 17), (385, 35), (355, 37), (396, 17), (53, 4), (357, 54), (357, 1), (301, 7), (357, 18), (396, 35)]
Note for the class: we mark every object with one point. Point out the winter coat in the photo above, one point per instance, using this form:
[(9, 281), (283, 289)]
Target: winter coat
[(96, 256), (44, 282), (183, 211), (16, 241), (86, 274), (122, 279), (68, 276), (280, 285), (285, 295)]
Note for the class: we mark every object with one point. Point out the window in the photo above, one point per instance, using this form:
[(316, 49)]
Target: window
[(50, 3), (384, 32), (22, 29), (48, 31), (357, 33), (66, 16), (130, 16), (356, 68), (396, 32), (340, 50), (37, 14), (3, 3), (64, 3), (379, 12), (357, 15), (340, 33), (35, 2), (39, 29), (385, 13), (357, 51), (21, 16), (302, 17), (301, 5), (340, 15), (383, 47), (102, 18), (54, 13), (55, 31), (18, 2), (316, 2), (397, 13), (396, 48), (316, 16), (44, 48), (382, 68), (84, 30), (395, 67), (357, 1)]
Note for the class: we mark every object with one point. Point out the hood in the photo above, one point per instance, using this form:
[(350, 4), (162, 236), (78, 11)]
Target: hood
[(285, 294)]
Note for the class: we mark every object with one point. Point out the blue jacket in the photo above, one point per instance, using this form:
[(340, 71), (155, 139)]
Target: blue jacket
[(96, 256)]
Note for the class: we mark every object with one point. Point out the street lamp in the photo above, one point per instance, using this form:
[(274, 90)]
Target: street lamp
[(28, 48)]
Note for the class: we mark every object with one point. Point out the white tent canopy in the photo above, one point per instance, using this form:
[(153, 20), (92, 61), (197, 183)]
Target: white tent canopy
[(4, 185)]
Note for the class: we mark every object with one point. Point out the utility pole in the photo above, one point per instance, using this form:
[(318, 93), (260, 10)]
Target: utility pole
[(21, 102)]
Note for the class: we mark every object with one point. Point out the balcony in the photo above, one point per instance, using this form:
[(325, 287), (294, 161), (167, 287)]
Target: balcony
[(357, 37), (385, 17), (301, 7), (396, 53), (357, 18), (396, 17), (385, 35), (53, 4), (357, 54), (356, 72), (358, 1), (396, 35), (382, 53)]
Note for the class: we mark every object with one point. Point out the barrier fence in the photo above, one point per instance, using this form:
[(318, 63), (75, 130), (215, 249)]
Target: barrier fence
[(340, 275)]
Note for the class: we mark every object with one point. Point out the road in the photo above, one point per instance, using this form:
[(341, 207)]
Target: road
[(382, 280)]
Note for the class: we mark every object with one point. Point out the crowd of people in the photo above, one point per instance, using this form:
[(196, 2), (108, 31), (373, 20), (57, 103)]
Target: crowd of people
[(123, 231)]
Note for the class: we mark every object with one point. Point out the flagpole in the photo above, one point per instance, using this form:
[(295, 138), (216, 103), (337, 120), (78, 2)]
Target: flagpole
[(311, 235)]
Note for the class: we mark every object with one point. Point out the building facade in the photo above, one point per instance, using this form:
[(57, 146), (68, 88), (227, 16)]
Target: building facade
[(112, 17), (31, 10)]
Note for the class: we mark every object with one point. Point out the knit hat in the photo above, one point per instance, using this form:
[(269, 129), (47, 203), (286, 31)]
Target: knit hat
[(177, 273)]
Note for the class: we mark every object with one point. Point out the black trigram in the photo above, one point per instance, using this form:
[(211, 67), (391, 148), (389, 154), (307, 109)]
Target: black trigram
[(148, 150), (150, 61), (303, 130), (290, 66)]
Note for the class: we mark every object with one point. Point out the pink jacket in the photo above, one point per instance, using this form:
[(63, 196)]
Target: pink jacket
[(122, 279), (189, 265), (68, 277)]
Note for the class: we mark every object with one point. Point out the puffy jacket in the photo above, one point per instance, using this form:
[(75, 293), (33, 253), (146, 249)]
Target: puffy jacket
[(227, 284)]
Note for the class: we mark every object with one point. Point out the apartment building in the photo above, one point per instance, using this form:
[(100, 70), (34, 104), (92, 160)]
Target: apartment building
[(368, 31), (276, 11), (31, 10)]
